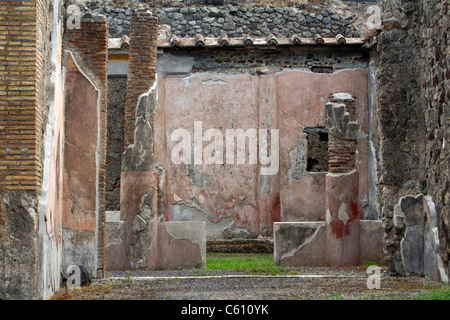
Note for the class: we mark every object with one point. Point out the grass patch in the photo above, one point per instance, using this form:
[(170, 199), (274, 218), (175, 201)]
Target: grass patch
[(252, 263), (372, 263), (437, 294)]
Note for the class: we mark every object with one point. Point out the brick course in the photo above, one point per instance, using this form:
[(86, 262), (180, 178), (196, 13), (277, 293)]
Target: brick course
[(25, 75), (20, 109), (142, 66), (341, 154)]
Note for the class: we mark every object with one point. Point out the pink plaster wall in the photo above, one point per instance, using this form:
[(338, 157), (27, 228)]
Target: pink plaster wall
[(219, 102), (79, 151), (288, 101), (301, 103)]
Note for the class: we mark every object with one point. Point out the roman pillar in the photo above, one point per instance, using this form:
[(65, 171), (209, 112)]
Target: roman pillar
[(342, 182), (138, 191)]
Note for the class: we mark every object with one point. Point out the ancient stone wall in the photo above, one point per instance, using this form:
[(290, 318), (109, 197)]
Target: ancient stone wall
[(116, 105), (231, 60), (435, 83), (410, 114), (400, 146), (236, 201), (258, 20)]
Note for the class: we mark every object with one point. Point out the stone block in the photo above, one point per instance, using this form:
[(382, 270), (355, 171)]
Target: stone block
[(300, 243), (181, 244), (412, 249), (114, 230), (371, 241)]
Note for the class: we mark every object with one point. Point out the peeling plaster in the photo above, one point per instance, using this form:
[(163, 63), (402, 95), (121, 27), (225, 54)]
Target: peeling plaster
[(297, 155), (186, 230), (216, 229), (291, 239), (198, 178), (342, 213), (328, 216), (305, 241), (136, 156), (49, 240)]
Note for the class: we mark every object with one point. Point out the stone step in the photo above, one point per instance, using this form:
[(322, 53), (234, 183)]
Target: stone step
[(240, 245)]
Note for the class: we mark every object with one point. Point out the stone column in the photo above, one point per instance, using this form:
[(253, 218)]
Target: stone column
[(138, 191), (343, 214), (84, 170)]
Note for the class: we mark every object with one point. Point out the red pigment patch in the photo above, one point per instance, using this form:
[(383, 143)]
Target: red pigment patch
[(275, 215), (354, 215), (337, 228), (354, 210)]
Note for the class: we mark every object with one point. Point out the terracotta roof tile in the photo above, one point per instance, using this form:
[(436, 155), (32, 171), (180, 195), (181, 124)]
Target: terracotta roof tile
[(340, 39), (199, 40), (223, 40), (174, 41), (318, 39), (125, 42), (248, 41), (245, 40)]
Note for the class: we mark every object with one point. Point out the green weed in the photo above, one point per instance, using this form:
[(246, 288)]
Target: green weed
[(248, 262), (437, 294)]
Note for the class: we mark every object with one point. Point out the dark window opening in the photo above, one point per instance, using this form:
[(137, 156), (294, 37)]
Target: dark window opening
[(322, 69), (317, 149)]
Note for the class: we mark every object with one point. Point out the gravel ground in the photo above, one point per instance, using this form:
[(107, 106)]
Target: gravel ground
[(303, 283)]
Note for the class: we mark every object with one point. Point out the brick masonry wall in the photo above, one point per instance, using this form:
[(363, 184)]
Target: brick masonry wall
[(21, 115), (341, 122), (25, 70), (341, 154), (89, 44), (138, 202), (20, 127), (142, 67)]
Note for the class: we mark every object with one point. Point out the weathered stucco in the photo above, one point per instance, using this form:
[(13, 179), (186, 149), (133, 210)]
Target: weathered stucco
[(80, 169), (53, 140), (301, 101), (235, 200)]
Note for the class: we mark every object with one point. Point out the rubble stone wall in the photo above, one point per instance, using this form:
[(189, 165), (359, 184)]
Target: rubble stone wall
[(189, 18), (435, 29), (411, 128)]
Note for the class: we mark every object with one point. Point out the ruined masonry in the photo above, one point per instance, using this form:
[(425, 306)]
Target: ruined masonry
[(344, 145)]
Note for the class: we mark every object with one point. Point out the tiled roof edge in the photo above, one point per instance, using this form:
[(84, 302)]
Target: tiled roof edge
[(245, 40)]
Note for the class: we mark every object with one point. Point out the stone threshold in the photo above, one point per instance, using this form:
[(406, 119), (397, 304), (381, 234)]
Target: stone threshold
[(154, 278)]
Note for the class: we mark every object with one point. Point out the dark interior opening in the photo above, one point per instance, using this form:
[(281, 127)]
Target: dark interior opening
[(317, 138)]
